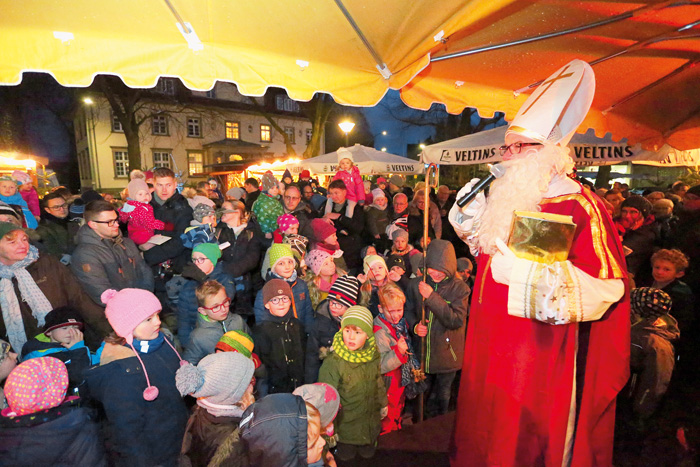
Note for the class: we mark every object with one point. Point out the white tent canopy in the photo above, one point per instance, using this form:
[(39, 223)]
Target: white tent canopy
[(586, 149), (369, 160)]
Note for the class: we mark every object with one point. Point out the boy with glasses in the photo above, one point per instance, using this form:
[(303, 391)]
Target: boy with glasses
[(213, 321), (280, 341)]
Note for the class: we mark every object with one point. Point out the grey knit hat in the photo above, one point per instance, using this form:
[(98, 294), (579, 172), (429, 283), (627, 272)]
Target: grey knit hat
[(322, 396), (268, 181), (220, 378), (201, 211)]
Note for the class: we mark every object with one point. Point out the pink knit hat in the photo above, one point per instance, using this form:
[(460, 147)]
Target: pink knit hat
[(315, 259), (125, 310), (36, 384), (285, 221), (322, 229)]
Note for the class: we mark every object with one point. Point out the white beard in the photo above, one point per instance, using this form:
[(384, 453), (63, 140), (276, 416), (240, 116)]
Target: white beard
[(521, 188)]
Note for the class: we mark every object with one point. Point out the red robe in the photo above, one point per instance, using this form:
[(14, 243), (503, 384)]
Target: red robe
[(518, 374)]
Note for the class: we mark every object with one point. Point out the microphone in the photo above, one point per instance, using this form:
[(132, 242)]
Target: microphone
[(497, 171)]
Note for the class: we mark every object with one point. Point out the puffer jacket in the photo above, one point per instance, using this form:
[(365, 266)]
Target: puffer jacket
[(61, 288), (320, 341), (176, 211), (101, 264), (17, 200), (362, 397), (281, 346), (445, 310), (353, 182), (141, 433), (187, 303), (274, 431), (63, 436), (203, 339)]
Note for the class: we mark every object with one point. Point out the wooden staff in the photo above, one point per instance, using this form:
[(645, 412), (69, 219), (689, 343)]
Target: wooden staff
[(432, 168)]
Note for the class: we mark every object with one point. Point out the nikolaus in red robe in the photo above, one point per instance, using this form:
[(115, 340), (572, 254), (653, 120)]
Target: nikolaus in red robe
[(547, 354)]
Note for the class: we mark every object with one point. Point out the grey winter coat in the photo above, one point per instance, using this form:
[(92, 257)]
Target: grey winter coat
[(101, 264), (208, 332)]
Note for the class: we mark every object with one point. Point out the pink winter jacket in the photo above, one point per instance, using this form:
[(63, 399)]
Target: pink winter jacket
[(140, 221), (32, 199), (353, 182)]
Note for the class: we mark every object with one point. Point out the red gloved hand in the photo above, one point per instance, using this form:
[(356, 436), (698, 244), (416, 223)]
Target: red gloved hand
[(168, 226)]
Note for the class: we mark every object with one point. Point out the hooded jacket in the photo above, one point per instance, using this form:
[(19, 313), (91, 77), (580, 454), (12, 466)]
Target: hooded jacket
[(100, 264), (274, 430), (445, 310), (176, 211)]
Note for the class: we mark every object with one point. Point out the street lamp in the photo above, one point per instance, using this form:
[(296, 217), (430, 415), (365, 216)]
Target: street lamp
[(346, 127)]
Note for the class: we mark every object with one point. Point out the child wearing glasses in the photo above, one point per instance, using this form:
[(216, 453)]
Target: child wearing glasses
[(205, 266), (213, 321), (280, 341)]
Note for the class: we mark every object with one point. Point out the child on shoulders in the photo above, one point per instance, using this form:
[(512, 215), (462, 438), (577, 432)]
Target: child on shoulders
[(349, 173), (268, 207), (137, 213)]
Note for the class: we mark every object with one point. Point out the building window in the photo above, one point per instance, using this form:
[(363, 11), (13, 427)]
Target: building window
[(234, 157), (161, 158), (285, 103), (195, 163), (289, 131), (160, 125), (233, 130), (121, 163), (309, 132), (166, 86), (194, 128), (265, 133), (117, 125), (211, 94)]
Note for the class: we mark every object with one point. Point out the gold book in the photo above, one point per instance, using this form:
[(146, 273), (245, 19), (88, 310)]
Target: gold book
[(541, 237)]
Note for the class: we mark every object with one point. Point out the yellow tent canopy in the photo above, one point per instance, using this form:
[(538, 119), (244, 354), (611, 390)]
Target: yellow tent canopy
[(356, 50)]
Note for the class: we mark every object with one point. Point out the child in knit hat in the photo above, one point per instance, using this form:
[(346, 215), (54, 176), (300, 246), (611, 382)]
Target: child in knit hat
[(288, 225), (63, 339), (321, 274), (283, 266), (238, 341), (326, 400), (137, 213), (299, 245), (42, 426), (268, 207), (344, 293), (223, 385), (26, 189), (135, 382), (202, 226), (325, 238), (377, 219), (214, 319), (9, 195), (205, 265), (280, 340), (353, 368), (349, 173), (376, 274)]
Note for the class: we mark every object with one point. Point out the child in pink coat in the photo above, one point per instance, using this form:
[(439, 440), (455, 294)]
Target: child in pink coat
[(137, 213), (28, 192), (350, 175)]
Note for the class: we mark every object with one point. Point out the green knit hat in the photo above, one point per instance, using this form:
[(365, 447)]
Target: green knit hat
[(358, 316), (7, 227), (279, 251), (210, 250)]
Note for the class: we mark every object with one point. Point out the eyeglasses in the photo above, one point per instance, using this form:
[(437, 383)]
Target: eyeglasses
[(199, 260), (110, 223), (335, 304), (292, 198), (278, 300), (516, 147), (220, 307), (59, 207)]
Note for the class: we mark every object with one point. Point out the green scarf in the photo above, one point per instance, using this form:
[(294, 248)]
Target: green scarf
[(366, 354)]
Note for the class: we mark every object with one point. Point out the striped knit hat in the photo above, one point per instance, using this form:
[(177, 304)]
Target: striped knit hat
[(358, 316), (238, 341), (346, 290)]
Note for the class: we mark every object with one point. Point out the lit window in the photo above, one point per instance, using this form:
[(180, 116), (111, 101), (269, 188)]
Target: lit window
[(309, 132), (289, 131), (121, 163), (117, 125), (265, 133), (232, 130), (160, 125), (161, 158), (234, 157), (195, 163), (194, 129)]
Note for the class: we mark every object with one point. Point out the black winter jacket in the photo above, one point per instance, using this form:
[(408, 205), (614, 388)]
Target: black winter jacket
[(177, 211), (281, 346), (320, 340)]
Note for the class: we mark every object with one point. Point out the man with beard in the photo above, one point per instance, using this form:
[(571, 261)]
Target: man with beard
[(103, 259), (547, 345)]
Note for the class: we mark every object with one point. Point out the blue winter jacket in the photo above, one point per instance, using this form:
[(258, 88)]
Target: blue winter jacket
[(17, 200), (301, 304)]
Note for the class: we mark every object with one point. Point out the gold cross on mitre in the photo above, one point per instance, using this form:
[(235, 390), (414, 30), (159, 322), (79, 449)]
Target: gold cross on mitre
[(546, 85)]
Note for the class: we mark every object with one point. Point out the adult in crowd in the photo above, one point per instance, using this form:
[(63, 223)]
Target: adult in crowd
[(214, 191), (202, 196), (654, 196), (348, 218), (241, 257), (398, 214), (299, 208), (638, 235), (103, 259), (679, 189), (664, 220), (56, 231), (415, 220), (236, 194), (8, 214), (444, 201), (32, 284), (615, 198), (516, 407), (171, 207), (252, 187), (397, 184), (686, 236)]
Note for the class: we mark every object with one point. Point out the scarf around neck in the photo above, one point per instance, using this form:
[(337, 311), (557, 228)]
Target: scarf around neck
[(149, 346), (364, 355), (31, 294)]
